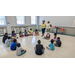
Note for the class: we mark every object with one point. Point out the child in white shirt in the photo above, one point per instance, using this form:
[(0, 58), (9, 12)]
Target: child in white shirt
[(8, 42), (19, 50)]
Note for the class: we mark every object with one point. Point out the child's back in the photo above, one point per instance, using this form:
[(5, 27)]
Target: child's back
[(59, 43), (39, 48), (18, 51), (5, 37), (52, 46), (7, 42), (13, 45), (48, 35)]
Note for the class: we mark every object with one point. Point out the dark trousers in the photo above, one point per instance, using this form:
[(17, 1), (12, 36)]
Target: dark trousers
[(43, 31), (15, 49)]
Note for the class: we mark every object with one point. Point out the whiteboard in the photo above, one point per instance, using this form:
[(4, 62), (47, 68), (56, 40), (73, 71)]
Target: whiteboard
[(66, 21)]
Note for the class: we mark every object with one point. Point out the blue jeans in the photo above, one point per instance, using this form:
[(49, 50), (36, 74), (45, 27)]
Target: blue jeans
[(42, 51)]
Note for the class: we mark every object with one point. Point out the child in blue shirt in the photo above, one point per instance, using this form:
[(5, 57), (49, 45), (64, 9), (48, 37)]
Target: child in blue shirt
[(13, 45), (51, 45), (14, 35)]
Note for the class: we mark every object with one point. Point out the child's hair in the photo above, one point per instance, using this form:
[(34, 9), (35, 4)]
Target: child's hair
[(30, 28), (39, 41), (6, 33), (58, 38), (13, 31), (48, 22), (9, 37), (20, 32), (43, 21), (25, 30), (14, 40), (36, 30), (18, 45), (55, 35), (52, 41)]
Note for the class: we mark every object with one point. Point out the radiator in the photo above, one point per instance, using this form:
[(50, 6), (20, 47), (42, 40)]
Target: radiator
[(3, 31), (22, 29), (16, 30)]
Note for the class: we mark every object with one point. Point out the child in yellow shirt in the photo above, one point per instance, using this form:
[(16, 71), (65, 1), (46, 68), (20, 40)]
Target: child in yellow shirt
[(31, 31)]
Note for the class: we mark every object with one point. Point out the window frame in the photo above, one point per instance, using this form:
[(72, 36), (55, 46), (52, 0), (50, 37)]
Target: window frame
[(20, 24), (4, 22), (35, 20)]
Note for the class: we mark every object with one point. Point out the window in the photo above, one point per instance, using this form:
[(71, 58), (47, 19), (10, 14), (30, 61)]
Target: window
[(33, 20), (2, 21), (20, 20)]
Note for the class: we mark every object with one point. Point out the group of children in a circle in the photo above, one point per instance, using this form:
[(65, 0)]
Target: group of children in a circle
[(39, 49)]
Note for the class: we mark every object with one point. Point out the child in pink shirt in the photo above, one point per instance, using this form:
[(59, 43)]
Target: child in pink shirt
[(55, 37)]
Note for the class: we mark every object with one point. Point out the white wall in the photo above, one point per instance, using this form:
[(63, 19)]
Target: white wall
[(8, 24), (14, 23), (58, 20), (27, 20), (11, 21)]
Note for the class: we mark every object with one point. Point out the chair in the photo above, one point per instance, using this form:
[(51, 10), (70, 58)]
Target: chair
[(3, 31), (63, 30)]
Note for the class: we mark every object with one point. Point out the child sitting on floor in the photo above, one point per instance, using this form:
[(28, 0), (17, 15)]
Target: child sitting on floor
[(5, 37), (51, 45), (58, 42), (8, 42), (39, 49), (13, 45), (31, 31), (55, 37), (47, 36), (19, 50), (14, 35), (36, 32), (20, 34), (26, 34)]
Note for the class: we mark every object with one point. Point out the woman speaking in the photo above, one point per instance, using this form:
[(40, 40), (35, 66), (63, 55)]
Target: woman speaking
[(43, 27)]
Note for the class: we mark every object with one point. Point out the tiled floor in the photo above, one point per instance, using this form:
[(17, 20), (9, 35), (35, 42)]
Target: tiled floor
[(67, 50)]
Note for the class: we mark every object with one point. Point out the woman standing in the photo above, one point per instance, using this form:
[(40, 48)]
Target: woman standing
[(48, 26), (43, 27)]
